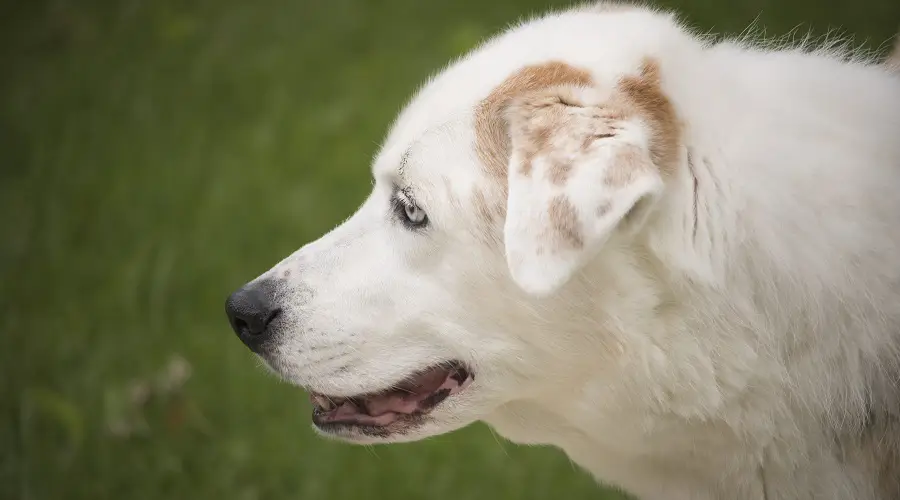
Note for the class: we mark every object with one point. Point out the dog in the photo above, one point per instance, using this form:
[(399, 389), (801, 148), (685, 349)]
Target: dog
[(675, 258)]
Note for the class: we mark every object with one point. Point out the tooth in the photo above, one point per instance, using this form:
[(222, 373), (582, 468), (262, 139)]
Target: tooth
[(323, 402)]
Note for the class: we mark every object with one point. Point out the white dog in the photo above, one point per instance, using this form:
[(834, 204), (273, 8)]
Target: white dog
[(677, 260)]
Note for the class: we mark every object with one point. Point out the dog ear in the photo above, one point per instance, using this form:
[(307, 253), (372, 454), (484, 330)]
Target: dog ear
[(580, 168)]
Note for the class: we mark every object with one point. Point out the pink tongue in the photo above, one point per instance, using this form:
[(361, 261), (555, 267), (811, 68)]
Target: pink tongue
[(409, 402), (348, 412), (384, 409), (394, 402)]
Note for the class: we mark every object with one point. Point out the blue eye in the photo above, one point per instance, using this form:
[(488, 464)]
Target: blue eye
[(414, 214), (408, 212)]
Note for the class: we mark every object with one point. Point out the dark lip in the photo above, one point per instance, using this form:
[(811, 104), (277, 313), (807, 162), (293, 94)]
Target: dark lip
[(403, 424), (427, 399)]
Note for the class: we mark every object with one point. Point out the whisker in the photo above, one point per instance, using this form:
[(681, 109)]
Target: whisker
[(497, 440), (372, 451)]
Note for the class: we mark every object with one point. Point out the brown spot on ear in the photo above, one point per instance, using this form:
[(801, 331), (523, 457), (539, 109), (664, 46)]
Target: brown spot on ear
[(603, 209), (543, 124), (627, 164), (540, 140), (559, 172), (644, 94), (564, 221), (492, 144), (536, 123)]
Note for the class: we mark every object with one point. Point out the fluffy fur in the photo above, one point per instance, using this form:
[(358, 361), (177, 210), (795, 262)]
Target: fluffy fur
[(676, 259), (893, 59)]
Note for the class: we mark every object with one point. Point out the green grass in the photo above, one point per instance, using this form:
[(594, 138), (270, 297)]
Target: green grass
[(155, 155)]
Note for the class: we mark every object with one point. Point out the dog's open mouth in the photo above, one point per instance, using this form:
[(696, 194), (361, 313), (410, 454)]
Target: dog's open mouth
[(412, 398)]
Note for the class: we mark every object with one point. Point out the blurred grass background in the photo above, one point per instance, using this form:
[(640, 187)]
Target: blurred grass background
[(157, 154)]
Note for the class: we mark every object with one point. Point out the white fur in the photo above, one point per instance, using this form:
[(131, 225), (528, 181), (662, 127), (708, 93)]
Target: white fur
[(757, 359)]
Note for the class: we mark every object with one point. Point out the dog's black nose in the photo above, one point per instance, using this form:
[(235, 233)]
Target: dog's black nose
[(251, 311)]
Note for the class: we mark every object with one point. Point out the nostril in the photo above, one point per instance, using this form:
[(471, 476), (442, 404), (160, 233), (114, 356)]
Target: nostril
[(272, 316), (241, 326), (256, 325), (251, 310)]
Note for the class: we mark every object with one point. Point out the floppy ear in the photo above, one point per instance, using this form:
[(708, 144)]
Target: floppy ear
[(580, 169)]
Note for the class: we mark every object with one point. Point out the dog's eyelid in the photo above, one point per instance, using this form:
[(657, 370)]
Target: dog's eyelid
[(404, 203), (405, 195)]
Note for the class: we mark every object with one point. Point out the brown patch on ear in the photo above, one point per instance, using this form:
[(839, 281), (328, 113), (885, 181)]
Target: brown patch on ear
[(545, 124), (627, 164), (643, 93), (534, 118), (603, 209), (539, 140), (564, 221), (492, 144), (559, 172)]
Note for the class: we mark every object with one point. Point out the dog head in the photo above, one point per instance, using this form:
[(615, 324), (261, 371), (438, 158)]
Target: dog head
[(452, 289)]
